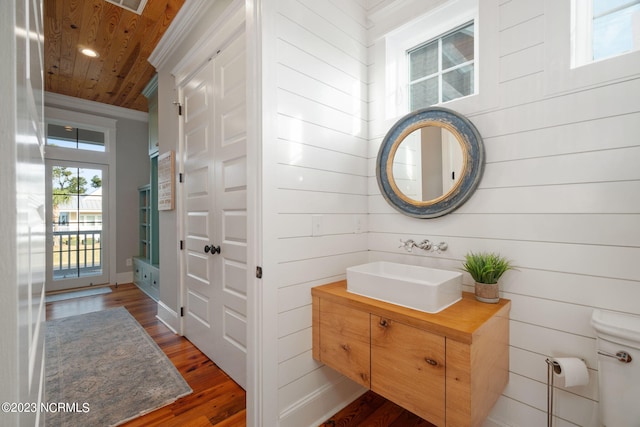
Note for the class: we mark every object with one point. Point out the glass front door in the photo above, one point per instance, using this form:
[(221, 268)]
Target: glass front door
[(77, 236)]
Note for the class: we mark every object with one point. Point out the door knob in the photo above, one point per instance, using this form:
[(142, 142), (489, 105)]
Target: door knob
[(211, 248)]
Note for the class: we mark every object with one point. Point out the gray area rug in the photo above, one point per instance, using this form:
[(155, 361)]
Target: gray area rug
[(107, 369)]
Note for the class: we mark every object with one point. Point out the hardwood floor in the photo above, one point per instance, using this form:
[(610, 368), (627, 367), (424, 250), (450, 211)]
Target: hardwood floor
[(216, 399), (371, 410)]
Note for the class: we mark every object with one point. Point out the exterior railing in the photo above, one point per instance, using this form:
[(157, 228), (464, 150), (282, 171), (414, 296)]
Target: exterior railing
[(77, 253)]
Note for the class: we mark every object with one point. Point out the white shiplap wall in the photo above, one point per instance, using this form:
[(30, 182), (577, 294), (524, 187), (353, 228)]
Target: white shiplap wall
[(559, 196), (315, 160)]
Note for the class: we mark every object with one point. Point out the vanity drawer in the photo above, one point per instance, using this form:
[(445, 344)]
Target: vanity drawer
[(408, 367), (344, 341)]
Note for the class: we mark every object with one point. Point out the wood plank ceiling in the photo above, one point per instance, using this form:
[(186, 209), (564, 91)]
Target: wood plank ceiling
[(123, 40)]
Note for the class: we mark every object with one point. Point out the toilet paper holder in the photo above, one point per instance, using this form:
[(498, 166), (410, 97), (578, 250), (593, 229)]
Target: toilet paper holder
[(553, 367), (622, 356)]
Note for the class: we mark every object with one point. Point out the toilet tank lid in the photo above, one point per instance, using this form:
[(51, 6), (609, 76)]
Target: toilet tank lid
[(621, 325)]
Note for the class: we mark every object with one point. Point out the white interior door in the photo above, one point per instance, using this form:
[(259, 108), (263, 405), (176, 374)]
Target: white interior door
[(214, 210)]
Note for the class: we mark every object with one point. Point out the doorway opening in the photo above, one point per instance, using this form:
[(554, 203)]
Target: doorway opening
[(79, 154)]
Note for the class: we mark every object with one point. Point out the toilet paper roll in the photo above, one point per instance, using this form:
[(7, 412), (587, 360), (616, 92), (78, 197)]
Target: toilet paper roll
[(570, 371)]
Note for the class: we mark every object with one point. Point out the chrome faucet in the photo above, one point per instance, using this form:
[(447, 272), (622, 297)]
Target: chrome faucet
[(408, 245), (425, 245)]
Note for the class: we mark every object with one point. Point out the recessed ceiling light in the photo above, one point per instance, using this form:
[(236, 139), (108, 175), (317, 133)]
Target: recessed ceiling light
[(89, 52)]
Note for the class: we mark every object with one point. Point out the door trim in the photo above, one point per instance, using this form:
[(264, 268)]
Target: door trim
[(108, 127)]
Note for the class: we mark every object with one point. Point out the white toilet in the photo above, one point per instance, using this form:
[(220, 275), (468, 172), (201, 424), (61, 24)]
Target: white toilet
[(618, 346)]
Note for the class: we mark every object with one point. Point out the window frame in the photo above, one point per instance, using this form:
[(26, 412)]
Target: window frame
[(559, 75), (441, 71), (582, 43), (82, 121), (433, 24)]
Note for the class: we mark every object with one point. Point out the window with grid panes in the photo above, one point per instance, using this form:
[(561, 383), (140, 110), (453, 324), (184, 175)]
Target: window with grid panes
[(442, 69)]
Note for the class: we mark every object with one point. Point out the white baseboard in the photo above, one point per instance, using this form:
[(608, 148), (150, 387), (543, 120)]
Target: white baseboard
[(331, 398), (126, 277), (490, 422), (169, 317)]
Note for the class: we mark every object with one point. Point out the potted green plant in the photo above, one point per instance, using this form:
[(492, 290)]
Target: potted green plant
[(486, 268)]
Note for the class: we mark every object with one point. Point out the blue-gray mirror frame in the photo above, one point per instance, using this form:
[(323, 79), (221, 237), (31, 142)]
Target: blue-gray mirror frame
[(473, 162)]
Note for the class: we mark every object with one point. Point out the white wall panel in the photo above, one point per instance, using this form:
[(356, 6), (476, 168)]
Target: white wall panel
[(605, 197), (299, 178), (352, 22), (594, 166), (594, 104), (306, 63), (562, 316), (294, 344), (294, 201), (296, 34), (552, 342), (590, 135), (294, 320), (316, 269), (355, 10), (294, 81), (514, 12), (295, 225), (315, 247), (307, 109), (323, 27), (522, 63), (297, 154), (294, 129), (520, 37), (296, 367), (319, 172)]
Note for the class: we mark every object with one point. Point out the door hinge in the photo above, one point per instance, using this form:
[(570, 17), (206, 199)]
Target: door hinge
[(179, 107), (259, 272), (180, 178), (181, 244)]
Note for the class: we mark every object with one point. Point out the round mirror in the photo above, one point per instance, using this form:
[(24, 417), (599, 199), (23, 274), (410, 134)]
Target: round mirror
[(430, 162)]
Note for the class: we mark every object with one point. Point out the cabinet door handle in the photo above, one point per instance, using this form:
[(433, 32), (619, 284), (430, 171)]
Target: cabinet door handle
[(345, 347), (384, 323), (431, 361)]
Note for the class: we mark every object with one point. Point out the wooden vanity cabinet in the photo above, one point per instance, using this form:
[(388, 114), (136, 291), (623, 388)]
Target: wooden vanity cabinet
[(448, 368)]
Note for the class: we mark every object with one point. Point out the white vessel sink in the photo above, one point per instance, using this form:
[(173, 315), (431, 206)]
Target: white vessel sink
[(426, 289)]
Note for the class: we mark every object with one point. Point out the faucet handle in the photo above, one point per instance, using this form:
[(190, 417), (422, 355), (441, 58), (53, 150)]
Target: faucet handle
[(440, 247), (425, 245), (407, 244)]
